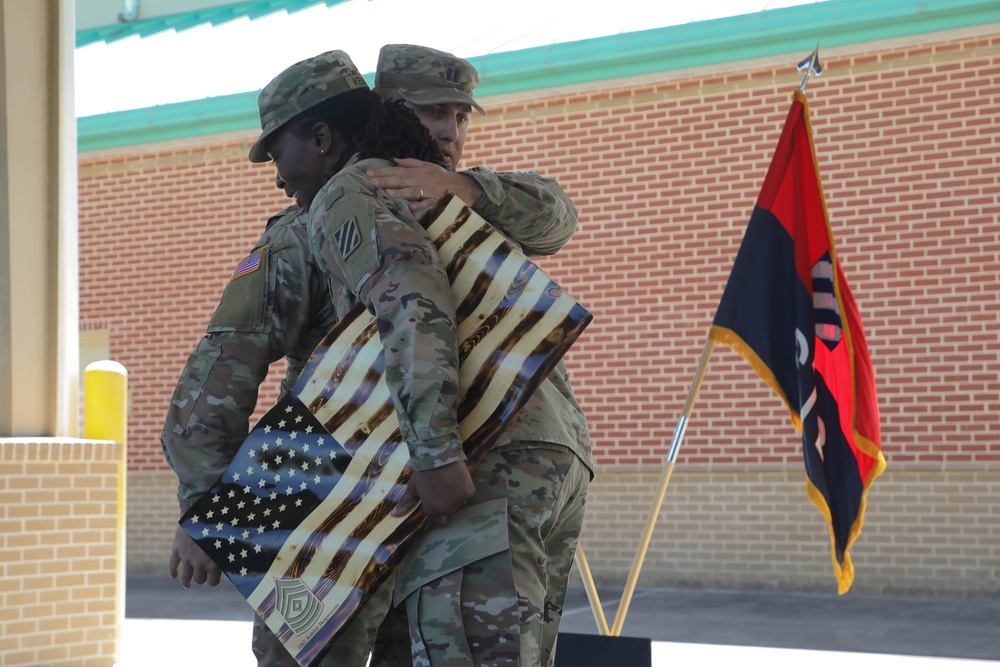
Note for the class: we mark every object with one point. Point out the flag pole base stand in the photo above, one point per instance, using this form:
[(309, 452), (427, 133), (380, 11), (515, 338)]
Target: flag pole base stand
[(579, 650)]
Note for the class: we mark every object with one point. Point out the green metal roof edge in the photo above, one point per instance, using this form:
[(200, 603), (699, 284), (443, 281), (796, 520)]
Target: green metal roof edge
[(795, 30), (768, 33), (212, 115), (252, 9)]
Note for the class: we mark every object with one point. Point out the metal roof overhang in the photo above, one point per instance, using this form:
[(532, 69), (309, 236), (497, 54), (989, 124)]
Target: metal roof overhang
[(109, 20), (793, 30)]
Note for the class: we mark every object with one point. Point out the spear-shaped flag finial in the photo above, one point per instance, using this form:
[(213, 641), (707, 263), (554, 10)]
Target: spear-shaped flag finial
[(811, 65)]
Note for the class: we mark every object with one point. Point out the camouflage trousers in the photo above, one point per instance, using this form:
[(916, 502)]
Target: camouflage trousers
[(488, 588)]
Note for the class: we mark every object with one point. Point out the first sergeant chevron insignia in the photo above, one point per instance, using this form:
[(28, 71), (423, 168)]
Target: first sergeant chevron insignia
[(297, 604), (347, 237)]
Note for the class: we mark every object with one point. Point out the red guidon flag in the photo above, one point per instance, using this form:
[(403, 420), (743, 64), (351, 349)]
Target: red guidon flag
[(788, 311)]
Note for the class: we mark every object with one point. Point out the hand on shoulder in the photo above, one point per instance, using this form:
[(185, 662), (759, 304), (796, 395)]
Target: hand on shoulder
[(421, 184)]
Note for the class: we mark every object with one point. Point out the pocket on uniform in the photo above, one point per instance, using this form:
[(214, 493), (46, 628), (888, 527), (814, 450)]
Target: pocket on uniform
[(467, 612), (471, 534)]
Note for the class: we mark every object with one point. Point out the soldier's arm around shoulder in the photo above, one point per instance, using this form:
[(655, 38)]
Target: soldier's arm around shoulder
[(531, 209)]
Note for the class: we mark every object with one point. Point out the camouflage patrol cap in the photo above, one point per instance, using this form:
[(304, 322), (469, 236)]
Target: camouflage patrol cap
[(426, 76), (300, 87)]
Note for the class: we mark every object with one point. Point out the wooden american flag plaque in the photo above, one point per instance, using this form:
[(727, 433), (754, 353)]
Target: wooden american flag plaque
[(299, 522)]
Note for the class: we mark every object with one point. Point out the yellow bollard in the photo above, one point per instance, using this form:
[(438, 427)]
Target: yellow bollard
[(105, 401), (105, 417)]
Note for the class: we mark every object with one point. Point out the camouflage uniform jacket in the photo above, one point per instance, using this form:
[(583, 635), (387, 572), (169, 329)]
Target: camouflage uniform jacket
[(372, 246), (285, 307), (530, 209), (276, 305)]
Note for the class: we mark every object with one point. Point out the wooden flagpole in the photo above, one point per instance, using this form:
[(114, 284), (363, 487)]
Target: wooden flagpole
[(668, 469), (812, 66), (588, 585)]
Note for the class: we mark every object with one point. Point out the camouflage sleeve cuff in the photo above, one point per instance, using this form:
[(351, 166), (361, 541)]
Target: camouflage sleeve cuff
[(193, 485), (493, 191), (532, 210), (436, 452)]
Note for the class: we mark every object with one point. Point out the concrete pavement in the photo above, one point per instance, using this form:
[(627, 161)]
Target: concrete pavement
[(167, 625)]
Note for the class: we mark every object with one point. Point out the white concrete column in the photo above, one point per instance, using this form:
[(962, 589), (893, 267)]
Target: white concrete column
[(39, 257)]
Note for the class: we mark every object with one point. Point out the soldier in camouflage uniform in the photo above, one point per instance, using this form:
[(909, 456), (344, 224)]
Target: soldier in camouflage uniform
[(465, 606), (277, 304), (529, 208)]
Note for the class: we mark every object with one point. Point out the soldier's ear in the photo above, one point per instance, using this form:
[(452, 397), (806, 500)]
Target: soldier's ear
[(323, 138), (333, 147)]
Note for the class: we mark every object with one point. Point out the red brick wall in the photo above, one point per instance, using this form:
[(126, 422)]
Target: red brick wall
[(665, 177), (161, 230)]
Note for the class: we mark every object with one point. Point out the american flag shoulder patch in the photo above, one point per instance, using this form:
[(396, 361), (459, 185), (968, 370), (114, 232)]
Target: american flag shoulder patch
[(248, 265), (348, 238)]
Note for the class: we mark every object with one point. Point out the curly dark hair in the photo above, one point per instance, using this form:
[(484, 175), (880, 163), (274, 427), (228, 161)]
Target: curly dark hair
[(394, 131), (375, 128)]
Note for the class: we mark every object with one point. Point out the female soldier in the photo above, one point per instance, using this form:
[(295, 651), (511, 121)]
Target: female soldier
[(318, 118)]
